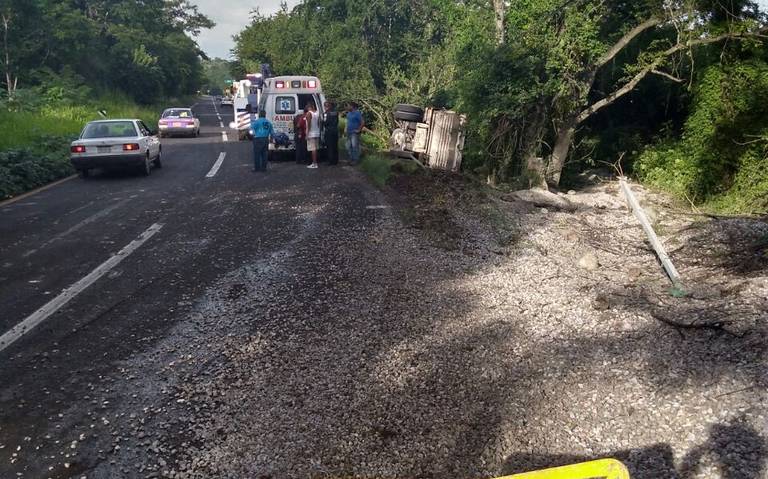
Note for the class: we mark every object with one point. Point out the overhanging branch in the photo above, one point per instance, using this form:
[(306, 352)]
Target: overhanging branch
[(668, 76), (626, 39), (595, 107)]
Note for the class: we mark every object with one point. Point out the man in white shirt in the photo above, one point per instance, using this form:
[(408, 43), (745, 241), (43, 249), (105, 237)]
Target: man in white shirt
[(313, 132)]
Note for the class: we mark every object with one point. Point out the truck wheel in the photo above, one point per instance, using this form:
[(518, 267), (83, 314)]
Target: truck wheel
[(406, 108), (407, 116)]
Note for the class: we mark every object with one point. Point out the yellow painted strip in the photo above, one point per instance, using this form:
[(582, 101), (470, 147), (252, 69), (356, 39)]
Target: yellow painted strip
[(35, 191), (602, 469)]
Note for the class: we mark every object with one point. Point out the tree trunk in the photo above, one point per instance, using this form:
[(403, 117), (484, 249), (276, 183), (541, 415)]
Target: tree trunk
[(498, 13), (10, 82), (565, 134)]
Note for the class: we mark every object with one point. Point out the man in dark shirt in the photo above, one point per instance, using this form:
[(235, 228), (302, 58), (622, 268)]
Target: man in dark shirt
[(300, 137), (331, 123), (355, 125)]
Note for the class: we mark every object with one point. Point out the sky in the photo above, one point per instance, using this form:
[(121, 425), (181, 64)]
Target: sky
[(231, 16)]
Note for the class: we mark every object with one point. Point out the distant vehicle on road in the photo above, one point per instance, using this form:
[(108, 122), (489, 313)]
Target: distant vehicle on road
[(178, 121), (226, 101), (114, 144)]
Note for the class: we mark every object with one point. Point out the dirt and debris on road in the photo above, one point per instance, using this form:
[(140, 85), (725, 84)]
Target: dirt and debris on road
[(436, 329)]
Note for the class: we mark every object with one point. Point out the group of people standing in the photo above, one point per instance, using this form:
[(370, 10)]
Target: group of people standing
[(307, 127)]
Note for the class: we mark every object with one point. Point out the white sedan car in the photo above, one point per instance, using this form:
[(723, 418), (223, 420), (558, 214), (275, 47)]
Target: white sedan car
[(114, 144)]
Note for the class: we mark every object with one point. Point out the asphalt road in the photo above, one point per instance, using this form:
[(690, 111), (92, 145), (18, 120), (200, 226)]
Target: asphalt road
[(174, 233)]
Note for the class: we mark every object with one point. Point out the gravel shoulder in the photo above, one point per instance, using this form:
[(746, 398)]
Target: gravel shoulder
[(405, 333)]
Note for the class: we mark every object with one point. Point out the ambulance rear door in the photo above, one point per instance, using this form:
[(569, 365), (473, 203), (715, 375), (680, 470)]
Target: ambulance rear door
[(281, 109)]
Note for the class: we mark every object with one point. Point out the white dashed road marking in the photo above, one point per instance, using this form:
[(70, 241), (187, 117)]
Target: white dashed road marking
[(224, 136), (70, 293), (216, 166)]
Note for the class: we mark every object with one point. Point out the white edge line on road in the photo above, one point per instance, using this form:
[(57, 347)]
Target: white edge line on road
[(224, 136), (216, 166), (68, 294), (221, 124), (35, 191)]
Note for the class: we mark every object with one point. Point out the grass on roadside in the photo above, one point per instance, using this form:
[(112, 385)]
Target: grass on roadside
[(25, 129), (34, 146), (378, 168)]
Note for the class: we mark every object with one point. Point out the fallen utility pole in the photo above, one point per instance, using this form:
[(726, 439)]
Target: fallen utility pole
[(639, 213)]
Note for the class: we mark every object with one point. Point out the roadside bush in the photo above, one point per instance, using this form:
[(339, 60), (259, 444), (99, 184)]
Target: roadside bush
[(23, 170), (373, 141), (749, 186), (720, 159)]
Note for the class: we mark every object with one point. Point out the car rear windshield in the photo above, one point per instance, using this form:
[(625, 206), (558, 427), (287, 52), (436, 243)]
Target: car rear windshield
[(173, 113), (109, 129)]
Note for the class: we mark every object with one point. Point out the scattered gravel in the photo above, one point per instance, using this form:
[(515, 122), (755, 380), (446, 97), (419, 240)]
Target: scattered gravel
[(460, 335)]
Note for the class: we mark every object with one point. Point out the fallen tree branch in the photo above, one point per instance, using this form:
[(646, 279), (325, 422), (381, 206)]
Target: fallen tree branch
[(714, 325)]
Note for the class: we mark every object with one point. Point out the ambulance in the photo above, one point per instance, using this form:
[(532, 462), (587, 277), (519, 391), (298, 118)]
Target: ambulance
[(282, 99)]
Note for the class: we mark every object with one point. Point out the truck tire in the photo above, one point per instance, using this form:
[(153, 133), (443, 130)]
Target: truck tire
[(406, 108), (408, 116)]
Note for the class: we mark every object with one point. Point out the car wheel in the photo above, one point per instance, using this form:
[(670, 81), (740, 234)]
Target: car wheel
[(197, 133), (146, 168), (159, 161), (84, 173)]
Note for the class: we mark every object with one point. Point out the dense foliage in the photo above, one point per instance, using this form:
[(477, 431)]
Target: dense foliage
[(721, 157), (563, 84), (145, 49)]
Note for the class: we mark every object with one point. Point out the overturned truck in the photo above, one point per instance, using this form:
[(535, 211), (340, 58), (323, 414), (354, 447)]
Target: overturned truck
[(434, 137)]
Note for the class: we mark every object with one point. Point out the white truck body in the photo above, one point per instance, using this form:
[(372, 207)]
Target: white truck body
[(247, 92)]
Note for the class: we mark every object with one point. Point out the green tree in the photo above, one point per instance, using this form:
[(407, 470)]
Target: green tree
[(217, 71), (145, 49)]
